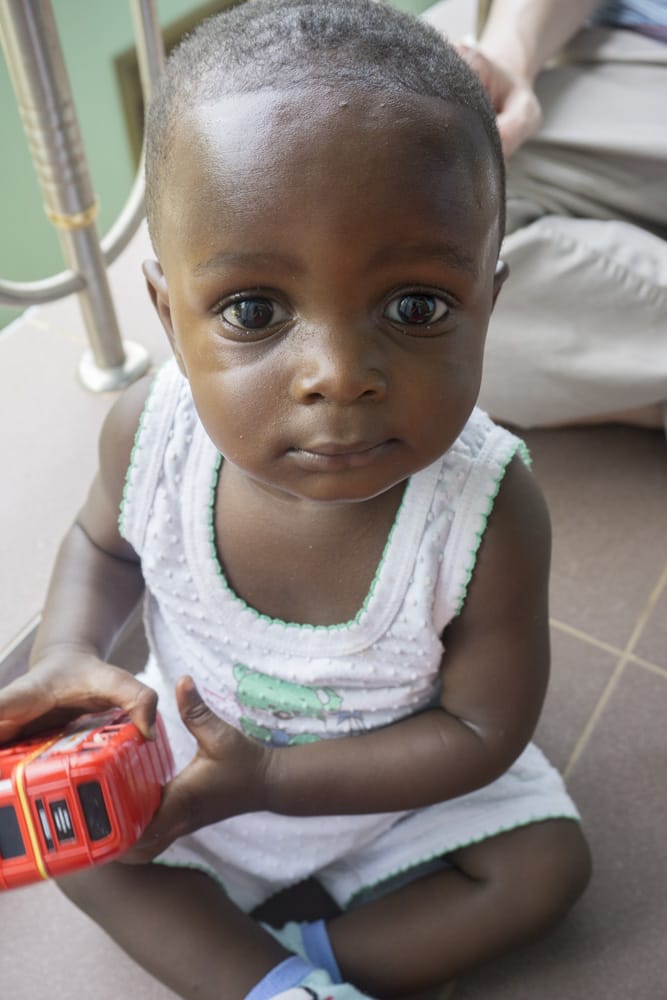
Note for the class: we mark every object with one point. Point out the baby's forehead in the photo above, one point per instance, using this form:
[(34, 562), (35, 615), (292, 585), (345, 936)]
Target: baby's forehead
[(223, 150), (319, 114), (277, 43), (267, 160)]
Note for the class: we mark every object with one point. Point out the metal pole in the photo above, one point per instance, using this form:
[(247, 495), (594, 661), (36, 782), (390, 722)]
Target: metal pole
[(150, 51), (36, 66), (150, 47)]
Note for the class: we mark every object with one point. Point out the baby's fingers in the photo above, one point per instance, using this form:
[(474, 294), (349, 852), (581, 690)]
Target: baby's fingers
[(210, 731), (22, 701), (176, 816)]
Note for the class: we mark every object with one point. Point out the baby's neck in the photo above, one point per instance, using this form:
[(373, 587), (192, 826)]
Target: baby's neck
[(303, 562)]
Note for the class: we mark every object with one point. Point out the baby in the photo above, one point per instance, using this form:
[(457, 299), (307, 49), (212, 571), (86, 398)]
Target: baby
[(345, 563)]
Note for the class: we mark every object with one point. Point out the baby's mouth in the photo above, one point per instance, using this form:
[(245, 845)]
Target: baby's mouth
[(336, 456)]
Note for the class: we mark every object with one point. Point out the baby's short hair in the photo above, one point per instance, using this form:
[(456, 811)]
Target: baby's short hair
[(268, 43)]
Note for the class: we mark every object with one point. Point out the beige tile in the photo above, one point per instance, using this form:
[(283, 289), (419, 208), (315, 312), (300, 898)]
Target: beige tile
[(579, 675), (620, 784), (607, 492), (51, 949)]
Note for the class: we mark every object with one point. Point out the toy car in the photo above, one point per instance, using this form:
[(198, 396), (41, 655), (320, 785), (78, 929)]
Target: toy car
[(78, 796)]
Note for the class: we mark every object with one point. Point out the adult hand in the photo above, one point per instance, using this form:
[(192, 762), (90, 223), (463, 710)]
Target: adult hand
[(67, 682), (513, 99), (225, 777)]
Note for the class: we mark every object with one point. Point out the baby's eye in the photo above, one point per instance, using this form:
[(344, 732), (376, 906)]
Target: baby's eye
[(416, 309), (254, 314)]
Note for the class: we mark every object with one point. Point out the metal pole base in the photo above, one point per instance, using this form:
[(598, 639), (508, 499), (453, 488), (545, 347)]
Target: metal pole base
[(137, 362)]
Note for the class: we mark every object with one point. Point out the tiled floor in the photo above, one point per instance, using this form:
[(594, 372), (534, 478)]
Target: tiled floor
[(604, 720), (603, 724)]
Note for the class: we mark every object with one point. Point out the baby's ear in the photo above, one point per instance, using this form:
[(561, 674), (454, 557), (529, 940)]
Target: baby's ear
[(159, 294), (500, 277)]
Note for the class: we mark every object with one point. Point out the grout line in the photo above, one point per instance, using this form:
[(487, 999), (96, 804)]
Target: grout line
[(577, 633), (607, 647), (646, 665), (625, 657), (587, 731), (646, 613)]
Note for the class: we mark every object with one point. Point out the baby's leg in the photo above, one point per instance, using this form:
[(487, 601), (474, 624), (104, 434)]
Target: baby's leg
[(179, 925), (501, 893)]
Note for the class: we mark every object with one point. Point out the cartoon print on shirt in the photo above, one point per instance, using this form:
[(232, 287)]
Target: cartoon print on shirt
[(274, 737), (284, 700)]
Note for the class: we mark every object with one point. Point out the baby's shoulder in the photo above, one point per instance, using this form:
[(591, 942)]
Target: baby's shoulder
[(118, 436)]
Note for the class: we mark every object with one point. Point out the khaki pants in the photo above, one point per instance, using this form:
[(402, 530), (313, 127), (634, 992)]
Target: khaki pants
[(580, 328)]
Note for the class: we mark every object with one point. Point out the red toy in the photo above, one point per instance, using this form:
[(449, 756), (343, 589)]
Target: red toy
[(78, 796)]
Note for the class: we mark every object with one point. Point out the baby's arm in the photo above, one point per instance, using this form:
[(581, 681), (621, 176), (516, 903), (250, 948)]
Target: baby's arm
[(95, 585), (494, 677)]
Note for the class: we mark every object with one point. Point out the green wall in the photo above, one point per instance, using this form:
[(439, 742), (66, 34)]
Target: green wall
[(92, 34)]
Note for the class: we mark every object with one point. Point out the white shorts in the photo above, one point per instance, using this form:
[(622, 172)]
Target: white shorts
[(256, 855)]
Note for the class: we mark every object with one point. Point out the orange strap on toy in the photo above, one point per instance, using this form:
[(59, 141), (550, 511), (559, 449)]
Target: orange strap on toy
[(19, 774)]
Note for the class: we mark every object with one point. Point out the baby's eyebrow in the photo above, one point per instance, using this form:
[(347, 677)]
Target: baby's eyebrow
[(440, 252), (225, 259)]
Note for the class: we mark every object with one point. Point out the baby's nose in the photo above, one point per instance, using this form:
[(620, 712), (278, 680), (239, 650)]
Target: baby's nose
[(339, 367)]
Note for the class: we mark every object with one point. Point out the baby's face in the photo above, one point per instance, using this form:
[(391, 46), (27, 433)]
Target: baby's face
[(328, 262)]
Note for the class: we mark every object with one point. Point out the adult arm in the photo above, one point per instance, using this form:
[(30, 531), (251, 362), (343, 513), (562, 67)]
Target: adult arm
[(519, 37), (522, 35)]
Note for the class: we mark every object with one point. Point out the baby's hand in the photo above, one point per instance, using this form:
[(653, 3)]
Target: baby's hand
[(68, 682), (226, 777)]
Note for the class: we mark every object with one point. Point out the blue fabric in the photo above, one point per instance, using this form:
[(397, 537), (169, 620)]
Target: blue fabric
[(318, 948), (632, 12), (285, 976)]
